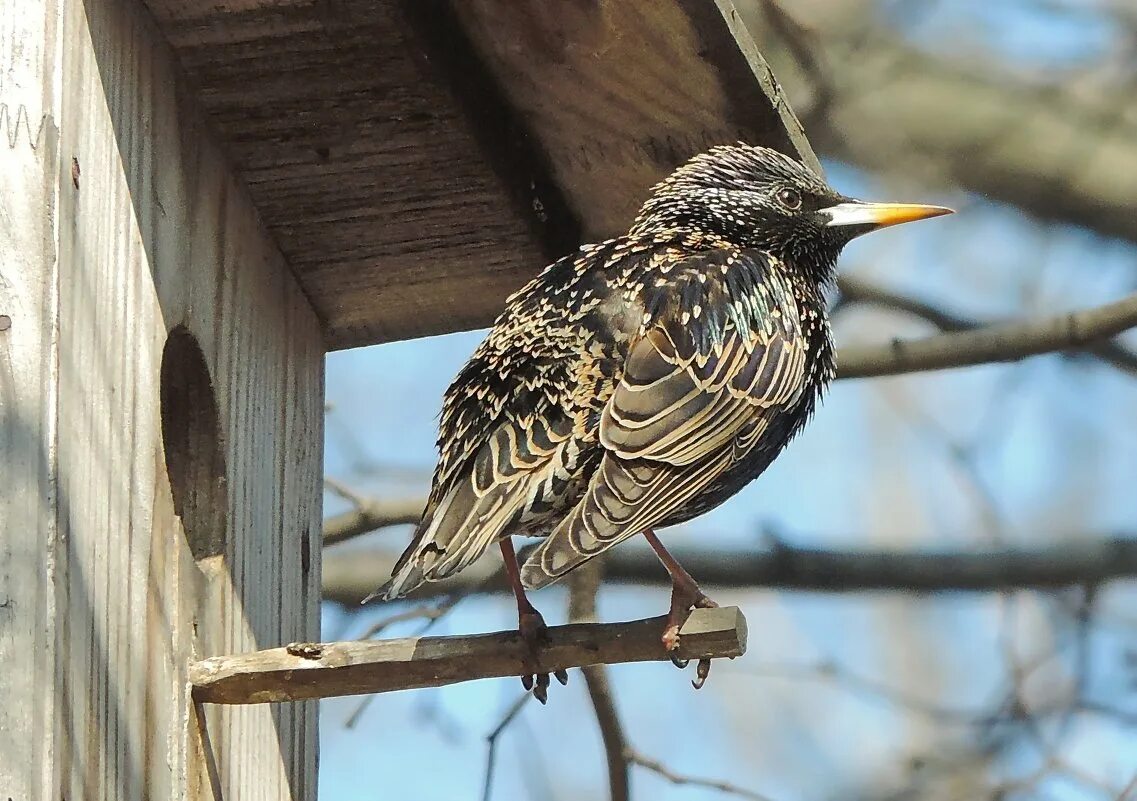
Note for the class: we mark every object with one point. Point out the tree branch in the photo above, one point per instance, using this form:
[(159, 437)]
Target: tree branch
[(854, 290), (994, 343), (349, 577), (302, 671), (370, 515), (585, 584), (660, 769), (492, 741)]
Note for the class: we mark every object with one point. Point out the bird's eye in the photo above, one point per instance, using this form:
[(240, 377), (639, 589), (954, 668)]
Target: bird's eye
[(789, 198)]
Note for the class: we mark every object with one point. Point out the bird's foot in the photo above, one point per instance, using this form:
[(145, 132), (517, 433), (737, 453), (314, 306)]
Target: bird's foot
[(531, 626), (683, 600)]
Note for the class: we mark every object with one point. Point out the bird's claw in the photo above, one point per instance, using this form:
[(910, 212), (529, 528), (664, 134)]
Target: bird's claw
[(541, 688), (701, 672), (534, 632), (538, 683), (677, 618)]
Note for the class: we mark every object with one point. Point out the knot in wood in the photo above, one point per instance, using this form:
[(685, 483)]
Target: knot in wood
[(305, 650)]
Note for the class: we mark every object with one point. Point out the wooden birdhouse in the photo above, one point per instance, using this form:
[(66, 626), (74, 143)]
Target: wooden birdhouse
[(199, 199)]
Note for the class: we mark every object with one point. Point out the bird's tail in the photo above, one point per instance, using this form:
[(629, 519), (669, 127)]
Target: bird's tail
[(404, 578), (605, 516), (452, 535), (623, 499)]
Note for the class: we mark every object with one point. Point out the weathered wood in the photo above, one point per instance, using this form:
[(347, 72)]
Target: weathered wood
[(326, 670), (413, 185), (360, 162), (161, 408), (621, 93), (28, 394)]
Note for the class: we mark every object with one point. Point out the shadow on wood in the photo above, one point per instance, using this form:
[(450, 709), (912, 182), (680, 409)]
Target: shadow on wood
[(303, 671)]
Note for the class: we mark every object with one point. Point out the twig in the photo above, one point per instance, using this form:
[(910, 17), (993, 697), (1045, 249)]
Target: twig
[(582, 609), (854, 290), (369, 515), (430, 614), (337, 487), (994, 343), (660, 769), (491, 742), (1129, 792)]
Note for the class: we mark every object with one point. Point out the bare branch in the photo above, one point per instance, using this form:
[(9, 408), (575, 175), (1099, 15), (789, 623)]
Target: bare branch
[(370, 515), (994, 343), (337, 487), (582, 609), (430, 614), (303, 671), (1130, 791), (657, 767), (347, 578), (492, 738), (854, 290)]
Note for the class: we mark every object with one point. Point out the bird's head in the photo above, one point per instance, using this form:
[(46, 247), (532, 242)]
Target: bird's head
[(755, 197)]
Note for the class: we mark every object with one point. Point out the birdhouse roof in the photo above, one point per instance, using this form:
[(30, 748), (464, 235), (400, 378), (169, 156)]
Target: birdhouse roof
[(418, 160)]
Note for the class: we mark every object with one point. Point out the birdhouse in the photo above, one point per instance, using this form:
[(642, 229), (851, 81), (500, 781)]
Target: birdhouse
[(200, 198)]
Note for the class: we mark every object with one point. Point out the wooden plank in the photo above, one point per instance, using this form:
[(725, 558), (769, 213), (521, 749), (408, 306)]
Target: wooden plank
[(326, 670), (360, 162), (189, 452), (28, 164), (621, 93), (413, 186)]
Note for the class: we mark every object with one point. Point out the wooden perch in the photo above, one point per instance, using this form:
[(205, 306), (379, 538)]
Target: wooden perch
[(303, 671)]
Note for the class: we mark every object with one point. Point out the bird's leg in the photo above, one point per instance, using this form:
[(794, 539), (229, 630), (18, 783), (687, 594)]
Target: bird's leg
[(531, 626), (685, 596)]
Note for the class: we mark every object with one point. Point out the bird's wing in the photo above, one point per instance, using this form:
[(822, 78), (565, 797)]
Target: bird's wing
[(472, 515), (699, 388), (505, 428)]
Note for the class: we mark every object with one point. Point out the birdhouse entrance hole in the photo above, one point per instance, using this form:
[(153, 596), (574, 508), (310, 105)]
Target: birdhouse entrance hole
[(195, 458)]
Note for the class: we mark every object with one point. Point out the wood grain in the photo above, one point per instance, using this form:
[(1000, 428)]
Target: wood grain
[(621, 93), (127, 224), (28, 395), (360, 163), (407, 199), (326, 670)]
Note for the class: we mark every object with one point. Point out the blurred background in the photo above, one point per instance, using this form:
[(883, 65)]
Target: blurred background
[(1021, 115)]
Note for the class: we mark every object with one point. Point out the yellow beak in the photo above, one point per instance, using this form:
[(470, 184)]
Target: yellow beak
[(879, 215)]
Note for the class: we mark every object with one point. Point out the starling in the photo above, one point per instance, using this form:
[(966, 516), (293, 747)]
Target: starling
[(642, 381)]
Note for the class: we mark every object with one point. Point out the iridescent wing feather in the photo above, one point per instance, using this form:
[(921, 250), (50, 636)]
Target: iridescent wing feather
[(501, 437), (713, 363)]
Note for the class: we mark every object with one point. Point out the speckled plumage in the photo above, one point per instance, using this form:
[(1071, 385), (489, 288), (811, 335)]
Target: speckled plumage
[(641, 381)]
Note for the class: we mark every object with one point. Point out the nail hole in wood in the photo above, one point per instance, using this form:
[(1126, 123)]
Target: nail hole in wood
[(191, 432)]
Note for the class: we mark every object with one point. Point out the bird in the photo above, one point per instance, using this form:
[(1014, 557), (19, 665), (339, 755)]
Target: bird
[(642, 381)]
